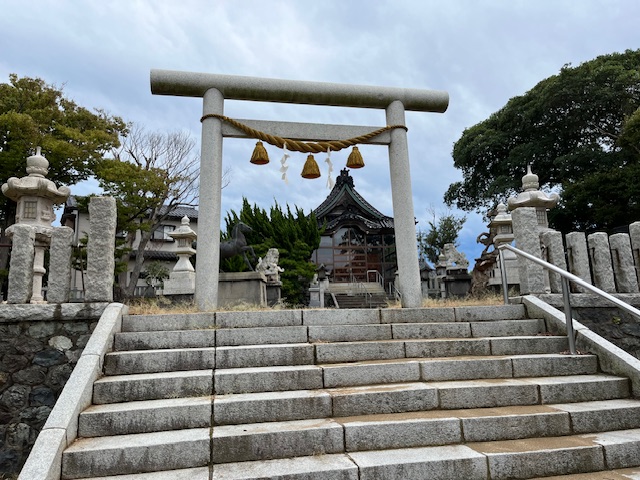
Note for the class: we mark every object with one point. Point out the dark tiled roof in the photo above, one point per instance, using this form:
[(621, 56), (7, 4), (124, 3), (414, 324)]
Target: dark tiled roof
[(180, 212), (157, 255), (177, 213), (344, 204)]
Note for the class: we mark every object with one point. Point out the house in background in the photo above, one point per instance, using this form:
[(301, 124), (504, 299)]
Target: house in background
[(161, 247)]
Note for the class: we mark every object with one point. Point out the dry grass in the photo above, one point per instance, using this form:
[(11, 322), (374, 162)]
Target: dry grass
[(484, 300), (158, 306), (468, 301), (161, 305)]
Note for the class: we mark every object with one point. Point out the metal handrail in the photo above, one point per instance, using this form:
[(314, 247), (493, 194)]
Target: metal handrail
[(362, 290), (393, 290), (565, 277), (378, 279)]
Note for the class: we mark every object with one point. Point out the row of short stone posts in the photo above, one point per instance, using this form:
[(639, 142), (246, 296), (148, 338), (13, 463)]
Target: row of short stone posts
[(607, 260), (32, 234)]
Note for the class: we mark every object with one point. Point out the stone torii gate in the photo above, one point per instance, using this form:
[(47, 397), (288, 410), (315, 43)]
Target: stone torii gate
[(214, 89)]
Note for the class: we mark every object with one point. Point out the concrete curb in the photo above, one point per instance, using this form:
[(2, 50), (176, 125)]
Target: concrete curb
[(612, 359), (61, 429)]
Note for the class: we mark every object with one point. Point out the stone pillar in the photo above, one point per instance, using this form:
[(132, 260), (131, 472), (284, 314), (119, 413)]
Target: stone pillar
[(623, 267), (634, 235), (403, 214), (38, 271), (578, 258), (60, 265), (600, 255), (101, 249), (552, 241), (525, 230), (208, 267), (21, 265)]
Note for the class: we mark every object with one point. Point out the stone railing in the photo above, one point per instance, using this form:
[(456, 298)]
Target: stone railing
[(609, 262), (100, 259)]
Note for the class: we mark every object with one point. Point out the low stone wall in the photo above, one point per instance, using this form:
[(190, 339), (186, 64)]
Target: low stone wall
[(39, 346), (602, 317)]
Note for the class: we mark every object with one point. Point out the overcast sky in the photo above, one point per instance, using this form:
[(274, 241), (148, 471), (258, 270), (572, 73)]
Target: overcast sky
[(483, 52)]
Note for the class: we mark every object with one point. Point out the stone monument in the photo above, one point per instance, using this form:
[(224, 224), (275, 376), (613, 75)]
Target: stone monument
[(35, 196), (269, 267), (457, 280)]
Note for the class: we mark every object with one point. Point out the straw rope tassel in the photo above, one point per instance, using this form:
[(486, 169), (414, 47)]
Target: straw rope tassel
[(260, 155)]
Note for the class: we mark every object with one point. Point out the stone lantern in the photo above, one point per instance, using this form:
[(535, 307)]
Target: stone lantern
[(502, 225), (529, 214), (531, 196), (35, 196), (182, 279)]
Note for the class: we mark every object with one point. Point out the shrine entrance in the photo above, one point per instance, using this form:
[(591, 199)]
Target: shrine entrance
[(214, 89)]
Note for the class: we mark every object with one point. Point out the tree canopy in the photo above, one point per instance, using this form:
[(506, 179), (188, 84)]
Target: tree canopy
[(580, 131), (295, 235), (73, 139)]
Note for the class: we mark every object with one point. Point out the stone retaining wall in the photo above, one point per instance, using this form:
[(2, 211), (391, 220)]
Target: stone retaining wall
[(612, 323), (39, 346)]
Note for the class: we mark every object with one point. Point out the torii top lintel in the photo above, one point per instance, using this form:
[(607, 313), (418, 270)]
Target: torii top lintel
[(235, 87)]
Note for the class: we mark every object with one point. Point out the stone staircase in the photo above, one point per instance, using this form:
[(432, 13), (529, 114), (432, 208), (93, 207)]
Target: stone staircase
[(465, 393), (369, 295)]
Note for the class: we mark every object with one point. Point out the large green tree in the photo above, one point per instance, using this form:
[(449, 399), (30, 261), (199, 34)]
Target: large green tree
[(294, 234), (580, 131), (73, 138)]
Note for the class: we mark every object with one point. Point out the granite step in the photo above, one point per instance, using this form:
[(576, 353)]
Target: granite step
[(480, 424), (330, 467), (340, 352), (157, 340), (456, 368), (200, 338), (173, 359), (210, 320), (152, 386), (618, 474), (365, 437), (127, 454), (165, 360), (544, 457), (145, 416)]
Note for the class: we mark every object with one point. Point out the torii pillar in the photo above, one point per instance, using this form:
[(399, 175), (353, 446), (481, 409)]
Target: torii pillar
[(214, 89)]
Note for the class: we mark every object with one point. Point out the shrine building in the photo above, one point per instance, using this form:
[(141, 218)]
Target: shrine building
[(358, 240)]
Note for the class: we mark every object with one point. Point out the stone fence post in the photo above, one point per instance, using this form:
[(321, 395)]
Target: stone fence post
[(101, 249), (623, 266), (60, 265), (20, 286), (525, 230)]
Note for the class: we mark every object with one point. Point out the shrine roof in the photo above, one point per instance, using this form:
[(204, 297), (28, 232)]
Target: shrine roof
[(345, 205)]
